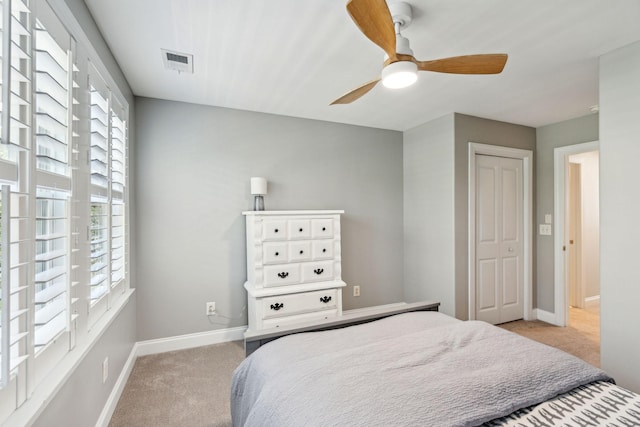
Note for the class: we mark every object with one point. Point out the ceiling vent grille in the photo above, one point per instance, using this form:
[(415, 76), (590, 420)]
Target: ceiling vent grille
[(180, 62)]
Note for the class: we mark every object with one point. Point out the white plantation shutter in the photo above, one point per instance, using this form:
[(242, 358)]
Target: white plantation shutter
[(14, 282), (108, 229), (100, 224), (53, 187), (118, 180), (63, 204), (17, 205)]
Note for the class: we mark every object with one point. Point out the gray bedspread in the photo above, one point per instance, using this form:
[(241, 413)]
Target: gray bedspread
[(415, 369)]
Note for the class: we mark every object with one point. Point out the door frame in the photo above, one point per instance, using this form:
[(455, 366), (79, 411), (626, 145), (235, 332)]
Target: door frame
[(527, 220), (560, 202)]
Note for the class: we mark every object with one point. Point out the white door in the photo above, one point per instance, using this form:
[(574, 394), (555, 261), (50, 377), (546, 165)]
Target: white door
[(499, 239)]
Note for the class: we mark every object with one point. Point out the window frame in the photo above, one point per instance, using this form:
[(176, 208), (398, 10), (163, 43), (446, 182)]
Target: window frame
[(26, 388)]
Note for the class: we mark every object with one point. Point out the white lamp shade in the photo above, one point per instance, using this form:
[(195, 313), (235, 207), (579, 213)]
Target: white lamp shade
[(258, 185)]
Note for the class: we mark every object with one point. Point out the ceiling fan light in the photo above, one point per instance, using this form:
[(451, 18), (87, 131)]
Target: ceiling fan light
[(399, 74)]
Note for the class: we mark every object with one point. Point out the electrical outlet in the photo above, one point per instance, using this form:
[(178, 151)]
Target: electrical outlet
[(105, 370), (211, 308), (356, 291)]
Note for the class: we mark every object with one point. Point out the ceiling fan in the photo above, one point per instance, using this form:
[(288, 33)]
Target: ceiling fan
[(382, 24)]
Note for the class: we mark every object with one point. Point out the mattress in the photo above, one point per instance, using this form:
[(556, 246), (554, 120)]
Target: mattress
[(421, 368)]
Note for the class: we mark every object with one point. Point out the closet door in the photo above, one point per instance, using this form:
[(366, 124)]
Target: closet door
[(499, 239)]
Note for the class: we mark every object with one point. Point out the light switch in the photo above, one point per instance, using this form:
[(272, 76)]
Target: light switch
[(545, 229), (547, 219)]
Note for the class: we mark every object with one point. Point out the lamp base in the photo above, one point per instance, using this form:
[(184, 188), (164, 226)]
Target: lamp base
[(258, 203)]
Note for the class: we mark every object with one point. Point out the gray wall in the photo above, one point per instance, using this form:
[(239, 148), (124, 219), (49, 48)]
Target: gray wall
[(482, 131), (429, 263), (82, 398), (570, 132), (193, 184), (619, 214), (436, 195)]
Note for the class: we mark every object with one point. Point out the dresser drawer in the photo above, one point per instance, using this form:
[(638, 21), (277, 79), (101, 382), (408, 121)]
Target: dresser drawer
[(317, 271), (300, 251), (322, 249), (274, 229), (322, 228), (280, 275), (299, 229), (287, 305), (275, 252)]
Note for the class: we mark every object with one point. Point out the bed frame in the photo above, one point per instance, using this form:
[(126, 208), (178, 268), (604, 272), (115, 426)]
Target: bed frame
[(253, 340)]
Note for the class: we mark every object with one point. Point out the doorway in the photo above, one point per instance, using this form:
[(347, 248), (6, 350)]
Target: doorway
[(577, 242)]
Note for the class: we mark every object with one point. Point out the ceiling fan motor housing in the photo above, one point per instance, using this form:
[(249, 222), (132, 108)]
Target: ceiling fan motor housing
[(401, 13), (402, 45)]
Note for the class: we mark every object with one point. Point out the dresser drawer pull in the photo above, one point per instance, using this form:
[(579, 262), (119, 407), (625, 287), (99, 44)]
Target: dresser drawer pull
[(324, 228), (277, 253), (283, 275), (301, 252), (318, 271), (277, 306), (300, 230), (325, 299), (275, 231), (324, 250)]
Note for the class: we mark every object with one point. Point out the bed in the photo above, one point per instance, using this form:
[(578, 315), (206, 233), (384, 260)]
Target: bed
[(422, 369)]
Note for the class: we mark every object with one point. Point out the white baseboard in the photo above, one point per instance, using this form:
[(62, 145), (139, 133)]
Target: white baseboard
[(183, 342), (118, 388), (162, 345), (592, 302), (545, 316)]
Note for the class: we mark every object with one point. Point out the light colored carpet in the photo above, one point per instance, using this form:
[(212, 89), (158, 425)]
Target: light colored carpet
[(581, 338), (191, 387), (180, 388)]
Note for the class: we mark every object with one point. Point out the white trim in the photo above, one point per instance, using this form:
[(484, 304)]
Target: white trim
[(118, 388), (561, 290), (183, 342), (527, 213), (544, 316), (592, 302)]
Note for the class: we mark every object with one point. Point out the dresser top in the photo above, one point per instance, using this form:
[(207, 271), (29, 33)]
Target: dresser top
[(310, 212)]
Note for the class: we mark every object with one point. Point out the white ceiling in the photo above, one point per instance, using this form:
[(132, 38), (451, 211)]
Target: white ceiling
[(293, 57)]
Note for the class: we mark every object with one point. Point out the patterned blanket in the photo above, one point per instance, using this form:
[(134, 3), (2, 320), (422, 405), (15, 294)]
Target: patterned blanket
[(596, 404)]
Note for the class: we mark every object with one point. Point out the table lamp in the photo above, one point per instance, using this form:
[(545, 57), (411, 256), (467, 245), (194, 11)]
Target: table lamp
[(258, 189)]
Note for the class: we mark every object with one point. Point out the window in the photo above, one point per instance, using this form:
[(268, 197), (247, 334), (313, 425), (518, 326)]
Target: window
[(63, 204), (108, 196)]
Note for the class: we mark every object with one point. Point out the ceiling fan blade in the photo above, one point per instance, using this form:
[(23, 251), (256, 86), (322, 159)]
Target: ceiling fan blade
[(492, 63), (375, 21), (356, 93)]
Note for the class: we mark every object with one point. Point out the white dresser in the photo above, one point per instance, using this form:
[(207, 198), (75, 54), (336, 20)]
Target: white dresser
[(293, 267)]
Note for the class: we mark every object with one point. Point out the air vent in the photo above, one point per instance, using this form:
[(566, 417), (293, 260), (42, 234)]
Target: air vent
[(180, 62)]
